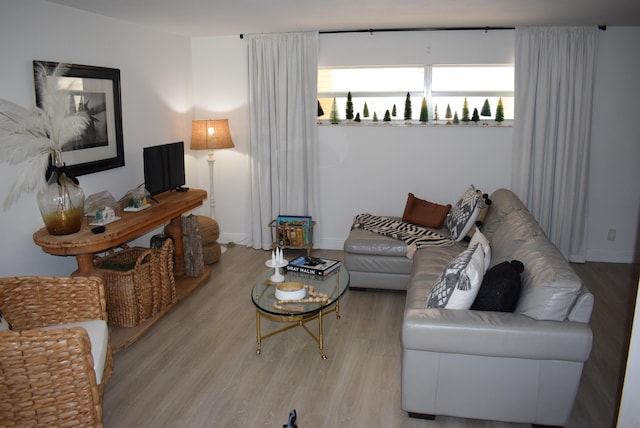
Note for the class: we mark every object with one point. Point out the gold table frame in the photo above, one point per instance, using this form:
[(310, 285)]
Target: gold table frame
[(336, 281), (297, 321)]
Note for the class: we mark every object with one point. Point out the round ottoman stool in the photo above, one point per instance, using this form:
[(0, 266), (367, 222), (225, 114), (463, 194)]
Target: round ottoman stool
[(210, 232)]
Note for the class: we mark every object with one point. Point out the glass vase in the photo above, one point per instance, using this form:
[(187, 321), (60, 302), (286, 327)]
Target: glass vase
[(61, 203)]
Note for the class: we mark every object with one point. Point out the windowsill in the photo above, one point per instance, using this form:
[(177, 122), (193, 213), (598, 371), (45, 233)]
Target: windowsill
[(440, 123)]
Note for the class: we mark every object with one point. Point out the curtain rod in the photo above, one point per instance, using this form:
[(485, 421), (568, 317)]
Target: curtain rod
[(390, 30)]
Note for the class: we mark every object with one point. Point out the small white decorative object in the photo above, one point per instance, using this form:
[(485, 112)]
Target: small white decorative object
[(108, 214), (104, 217), (277, 262)]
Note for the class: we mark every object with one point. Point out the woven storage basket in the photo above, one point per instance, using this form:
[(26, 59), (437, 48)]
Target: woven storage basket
[(129, 292), (163, 265)]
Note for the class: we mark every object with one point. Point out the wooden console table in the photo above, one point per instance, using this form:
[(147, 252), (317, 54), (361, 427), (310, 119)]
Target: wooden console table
[(84, 245)]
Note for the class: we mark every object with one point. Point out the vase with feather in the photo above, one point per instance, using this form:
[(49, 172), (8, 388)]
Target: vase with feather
[(36, 138), (61, 202)]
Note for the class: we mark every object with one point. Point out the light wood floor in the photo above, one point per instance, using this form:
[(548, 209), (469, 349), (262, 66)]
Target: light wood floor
[(198, 367)]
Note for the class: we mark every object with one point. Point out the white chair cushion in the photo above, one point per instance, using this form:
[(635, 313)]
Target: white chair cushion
[(99, 338)]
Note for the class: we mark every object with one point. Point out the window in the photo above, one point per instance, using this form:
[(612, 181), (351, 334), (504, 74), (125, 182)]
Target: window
[(383, 88)]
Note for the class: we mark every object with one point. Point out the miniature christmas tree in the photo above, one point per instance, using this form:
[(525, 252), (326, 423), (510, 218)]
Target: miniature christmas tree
[(365, 110), (375, 117), (320, 111), (357, 119), (500, 112), (486, 110), (436, 116), (475, 117), (465, 111), (447, 114), (387, 116), (407, 107), (394, 112), (455, 118), (424, 111), (334, 118), (349, 110)]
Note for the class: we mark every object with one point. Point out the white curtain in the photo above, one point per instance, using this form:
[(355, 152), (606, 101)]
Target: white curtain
[(283, 74), (555, 69)]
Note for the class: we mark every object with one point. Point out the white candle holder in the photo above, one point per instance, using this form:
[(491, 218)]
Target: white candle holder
[(277, 269)]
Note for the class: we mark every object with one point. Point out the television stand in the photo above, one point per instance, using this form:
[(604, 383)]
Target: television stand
[(84, 245), (182, 189)]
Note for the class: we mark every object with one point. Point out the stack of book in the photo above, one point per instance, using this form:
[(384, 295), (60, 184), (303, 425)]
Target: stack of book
[(313, 265), (294, 230)]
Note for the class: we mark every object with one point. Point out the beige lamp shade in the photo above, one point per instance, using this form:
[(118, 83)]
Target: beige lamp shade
[(210, 135)]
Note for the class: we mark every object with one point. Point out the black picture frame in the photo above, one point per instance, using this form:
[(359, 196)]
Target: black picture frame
[(98, 92)]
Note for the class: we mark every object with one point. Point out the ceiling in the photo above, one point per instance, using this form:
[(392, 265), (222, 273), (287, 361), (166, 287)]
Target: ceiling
[(205, 18)]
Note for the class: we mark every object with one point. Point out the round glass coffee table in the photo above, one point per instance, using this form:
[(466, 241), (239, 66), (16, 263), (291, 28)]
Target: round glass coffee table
[(323, 294)]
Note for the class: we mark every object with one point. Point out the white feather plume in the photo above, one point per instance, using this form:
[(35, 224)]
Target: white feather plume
[(31, 136)]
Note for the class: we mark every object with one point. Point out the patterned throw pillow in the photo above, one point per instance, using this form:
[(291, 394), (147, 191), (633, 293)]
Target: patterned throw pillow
[(4, 324), (464, 213), (479, 238), (459, 282)]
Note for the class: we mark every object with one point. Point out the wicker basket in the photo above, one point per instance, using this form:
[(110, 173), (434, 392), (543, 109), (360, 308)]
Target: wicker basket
[(129, 292), (165, 290)]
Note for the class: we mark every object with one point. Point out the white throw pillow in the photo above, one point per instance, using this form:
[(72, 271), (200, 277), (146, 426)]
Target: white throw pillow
[(479, 238), (4, 324), (459, 283), (464, 213)]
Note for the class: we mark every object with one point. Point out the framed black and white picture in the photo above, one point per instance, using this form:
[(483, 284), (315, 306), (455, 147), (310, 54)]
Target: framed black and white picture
[(94, 92)]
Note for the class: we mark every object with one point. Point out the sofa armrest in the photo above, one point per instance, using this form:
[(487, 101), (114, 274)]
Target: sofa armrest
[(494, 334), (30, 302), (48, 379)]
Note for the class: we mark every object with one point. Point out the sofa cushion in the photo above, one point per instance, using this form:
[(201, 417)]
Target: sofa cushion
[(464, 213), (515, 229), (98, 333), (550, 287), (362, 241), (424, 213), (503, 202), (459, 282), (479, 238), (500, 288)]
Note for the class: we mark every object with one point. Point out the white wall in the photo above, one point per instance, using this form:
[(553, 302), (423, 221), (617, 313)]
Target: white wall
[(156, 88), (373, 168), (615, 176), (220, 78)]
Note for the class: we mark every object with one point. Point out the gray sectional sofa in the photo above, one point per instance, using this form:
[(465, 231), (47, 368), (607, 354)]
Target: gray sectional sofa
[(522, 366)]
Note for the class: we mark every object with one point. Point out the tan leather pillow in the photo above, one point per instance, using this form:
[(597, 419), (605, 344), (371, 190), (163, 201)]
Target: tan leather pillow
[(424, 213)]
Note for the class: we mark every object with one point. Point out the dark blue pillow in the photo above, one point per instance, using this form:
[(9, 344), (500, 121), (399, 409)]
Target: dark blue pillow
[(500, 289)]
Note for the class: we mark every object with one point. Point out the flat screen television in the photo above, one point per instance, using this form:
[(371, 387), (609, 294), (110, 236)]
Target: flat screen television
[(163, 167)]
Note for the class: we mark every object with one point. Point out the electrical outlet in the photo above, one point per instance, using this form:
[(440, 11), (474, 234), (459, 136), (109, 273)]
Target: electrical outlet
[(611, 236)]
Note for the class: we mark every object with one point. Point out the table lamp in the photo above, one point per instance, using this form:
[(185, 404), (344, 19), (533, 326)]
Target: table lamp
[(210, 135)]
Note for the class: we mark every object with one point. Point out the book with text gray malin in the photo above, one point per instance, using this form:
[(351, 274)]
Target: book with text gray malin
[(313, 265)]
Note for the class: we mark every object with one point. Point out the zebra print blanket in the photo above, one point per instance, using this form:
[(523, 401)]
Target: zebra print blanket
[(414, 236)]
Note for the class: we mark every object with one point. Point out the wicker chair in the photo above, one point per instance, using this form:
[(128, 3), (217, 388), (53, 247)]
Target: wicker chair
[(47, 378)]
